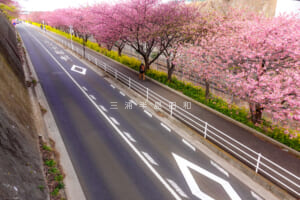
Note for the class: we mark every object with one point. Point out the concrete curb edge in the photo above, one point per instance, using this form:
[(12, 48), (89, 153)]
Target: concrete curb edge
[(73, 188)]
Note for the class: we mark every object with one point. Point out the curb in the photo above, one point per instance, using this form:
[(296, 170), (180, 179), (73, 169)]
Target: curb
[(73, 188)]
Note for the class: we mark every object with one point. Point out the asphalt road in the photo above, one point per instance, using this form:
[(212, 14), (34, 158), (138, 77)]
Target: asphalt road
[(284, 169), (121, 153)]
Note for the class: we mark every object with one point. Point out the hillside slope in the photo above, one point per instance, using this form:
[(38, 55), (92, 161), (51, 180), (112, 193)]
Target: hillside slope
[(21, 176)]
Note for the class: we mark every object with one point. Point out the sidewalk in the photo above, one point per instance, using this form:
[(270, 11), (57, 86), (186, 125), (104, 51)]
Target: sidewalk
[(273, 152)]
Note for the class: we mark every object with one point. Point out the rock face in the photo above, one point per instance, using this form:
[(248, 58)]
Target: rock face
[(20, 172), (266, 7), (21, 177)]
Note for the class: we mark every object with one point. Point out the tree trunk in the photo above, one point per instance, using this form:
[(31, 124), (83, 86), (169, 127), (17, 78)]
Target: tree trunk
[(147, 64), (171, 68), (256, 112), (206, 89), (120, 51)]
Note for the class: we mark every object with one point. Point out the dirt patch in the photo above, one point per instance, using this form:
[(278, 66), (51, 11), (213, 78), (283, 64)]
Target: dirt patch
[(52, 170)]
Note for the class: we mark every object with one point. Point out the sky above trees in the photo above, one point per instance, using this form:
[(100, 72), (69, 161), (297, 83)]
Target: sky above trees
[(38, 5)]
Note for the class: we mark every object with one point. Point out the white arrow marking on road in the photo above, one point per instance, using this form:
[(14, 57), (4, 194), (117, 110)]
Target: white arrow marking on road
[(219, 168), (78, 69), (256, 196), (177, 188), (149, 158), (184, 166), (189, 145)]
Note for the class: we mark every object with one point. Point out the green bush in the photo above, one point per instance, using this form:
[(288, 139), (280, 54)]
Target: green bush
[(54, 170), (59, 178), (47, 148), (50, 163)]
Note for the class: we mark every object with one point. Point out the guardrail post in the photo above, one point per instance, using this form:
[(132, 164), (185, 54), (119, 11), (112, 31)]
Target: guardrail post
[(258, 161), (116, 74), (205, 130), (171, 110), (147, 93), (104, 67), (129, 82)]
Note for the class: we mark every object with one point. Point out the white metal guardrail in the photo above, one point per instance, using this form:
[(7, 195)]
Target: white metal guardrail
[(255, 160)]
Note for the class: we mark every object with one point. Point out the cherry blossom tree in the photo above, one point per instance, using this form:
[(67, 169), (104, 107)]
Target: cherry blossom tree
[(256, 58), (106, 28), (151, 26), (265, 59), (175, 19)]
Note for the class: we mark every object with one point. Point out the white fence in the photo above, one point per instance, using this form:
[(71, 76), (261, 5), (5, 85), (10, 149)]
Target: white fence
[(254, 159)]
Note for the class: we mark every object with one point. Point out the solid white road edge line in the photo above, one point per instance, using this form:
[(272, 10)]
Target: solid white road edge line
[(148, 113), (149, 158), (189, 145), (129, 137), (219, 168), (158, 176), (167, 128), (256, 196), (177, 188)]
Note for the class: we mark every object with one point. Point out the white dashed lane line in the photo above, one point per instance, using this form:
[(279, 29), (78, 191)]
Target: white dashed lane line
[(93, 97), (149, 158), (189, 145), (148, 113), (111, 85), (129, 137), (177, 188), (165, 126), (84, 88), (219, 168), (133, 102), (256, 196), (122, 94), (103, 108), (114, 121)]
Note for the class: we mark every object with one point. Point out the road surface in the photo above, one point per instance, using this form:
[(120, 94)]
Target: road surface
[(118, 152)]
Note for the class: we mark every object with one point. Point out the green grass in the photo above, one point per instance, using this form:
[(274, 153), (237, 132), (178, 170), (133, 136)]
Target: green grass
[(198, 94)]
